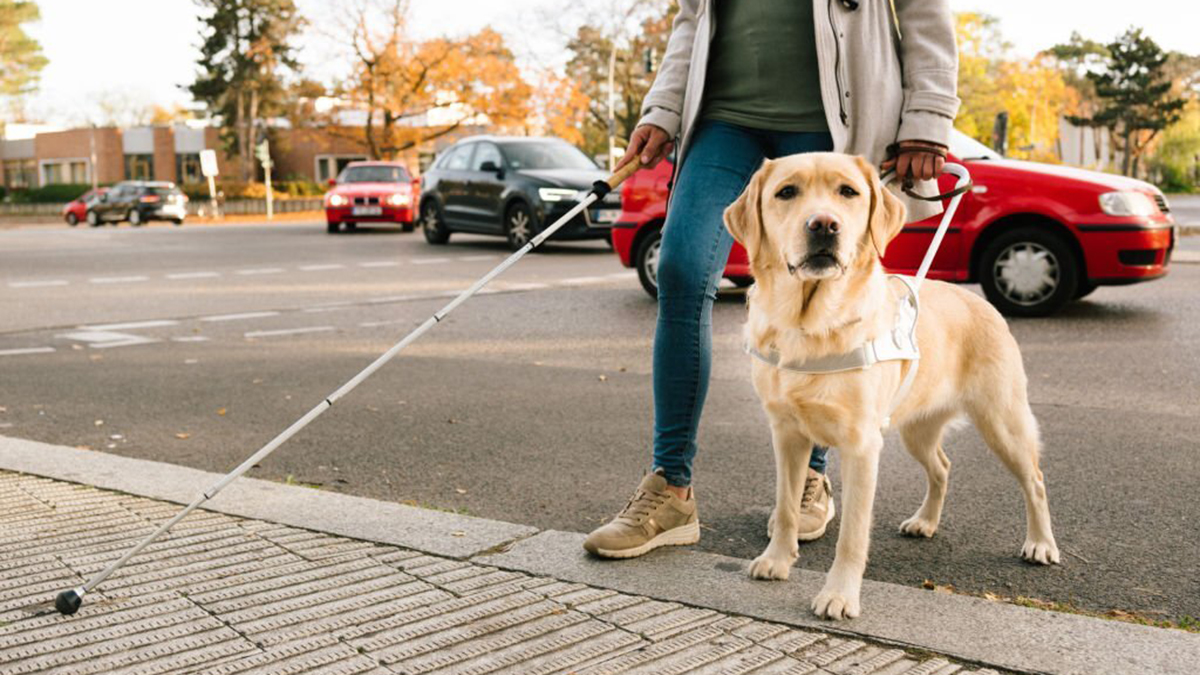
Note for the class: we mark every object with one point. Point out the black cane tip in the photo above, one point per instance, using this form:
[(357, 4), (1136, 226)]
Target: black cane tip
[(68, 602)]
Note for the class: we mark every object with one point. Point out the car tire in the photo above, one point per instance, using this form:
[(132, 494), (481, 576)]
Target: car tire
[(645, 259), (520, 225), (742, 282), (177, 222), (1029, 272), (72, 219), (350, 227), (407, 227), (332, 228), (433, 223), (93, 219), (135, 218), (1085, 289)]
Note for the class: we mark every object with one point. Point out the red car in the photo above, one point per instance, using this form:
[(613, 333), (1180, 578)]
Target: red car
[(371, 192), (1034, 236), (76, 210)]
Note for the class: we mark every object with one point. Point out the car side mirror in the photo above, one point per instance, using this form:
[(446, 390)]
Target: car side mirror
[(332, 182), (491, 167)]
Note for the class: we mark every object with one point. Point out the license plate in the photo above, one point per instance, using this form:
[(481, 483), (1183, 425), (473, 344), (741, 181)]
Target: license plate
[(605, 215), (368, 210)]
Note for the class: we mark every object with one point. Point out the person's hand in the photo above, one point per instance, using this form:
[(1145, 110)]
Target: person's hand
[(648, 143), (916, 163)]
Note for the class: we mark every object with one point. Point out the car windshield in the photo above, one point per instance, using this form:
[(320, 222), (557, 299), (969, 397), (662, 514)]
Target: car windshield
[(546, 155), (374, 174), (963, 146)]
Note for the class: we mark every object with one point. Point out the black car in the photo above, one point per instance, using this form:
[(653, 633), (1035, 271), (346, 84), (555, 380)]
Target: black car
[(513, 187), (138, 202)]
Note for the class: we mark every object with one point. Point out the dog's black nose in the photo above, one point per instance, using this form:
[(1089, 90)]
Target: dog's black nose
[(822, 223)]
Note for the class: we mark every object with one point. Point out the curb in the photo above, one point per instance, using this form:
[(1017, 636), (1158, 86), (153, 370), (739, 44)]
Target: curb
[(963, 627)]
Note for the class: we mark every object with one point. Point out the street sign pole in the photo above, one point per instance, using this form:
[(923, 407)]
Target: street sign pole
[(263, 151), (208, 167)]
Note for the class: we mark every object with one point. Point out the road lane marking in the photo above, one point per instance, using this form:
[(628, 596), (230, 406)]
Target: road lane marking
[(321, 268), (525, 286), (238, 317), (428, 261), (328, 308), (261, 270), (397, 298), (578, 281), (190, 338), (27, 350), (103, 339), (624, 275), (118, 280), (194, 275), (475, 258), (38, 284), (288, 331), (131, 325), (379, 263)]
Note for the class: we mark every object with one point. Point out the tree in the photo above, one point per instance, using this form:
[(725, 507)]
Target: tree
[(639, 38), (1135, 96), (21, 59), (245, 48), (415, 91)]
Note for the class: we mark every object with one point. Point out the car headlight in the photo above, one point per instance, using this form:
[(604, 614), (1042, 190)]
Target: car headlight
[(556, 194), (398, 199), (1127, 203), (337, 200)]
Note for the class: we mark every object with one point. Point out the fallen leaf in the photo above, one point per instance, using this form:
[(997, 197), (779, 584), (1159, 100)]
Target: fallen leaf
[(451, 421), (183, 436), (99, 423), (458, 533), (460, 491), (221, 412), (992, 596), (928, 585), (622, 369)]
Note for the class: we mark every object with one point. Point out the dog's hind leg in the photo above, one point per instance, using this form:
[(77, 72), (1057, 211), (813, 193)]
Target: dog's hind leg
[(1010, 430), (792, 452), (923, 439)]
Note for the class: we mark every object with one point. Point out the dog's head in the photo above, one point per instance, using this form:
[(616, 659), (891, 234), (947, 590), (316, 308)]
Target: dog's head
[(815, 215)]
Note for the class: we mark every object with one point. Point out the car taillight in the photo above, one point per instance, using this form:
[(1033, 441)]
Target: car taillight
[(150, 199)]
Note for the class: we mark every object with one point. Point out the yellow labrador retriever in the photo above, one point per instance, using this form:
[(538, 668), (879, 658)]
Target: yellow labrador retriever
[(815, 226)]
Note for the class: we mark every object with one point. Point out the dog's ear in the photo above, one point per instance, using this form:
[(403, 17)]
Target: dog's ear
[(743, 218), (887, 211)]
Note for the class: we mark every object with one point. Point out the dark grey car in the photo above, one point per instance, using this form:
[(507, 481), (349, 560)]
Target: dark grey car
[(512, 187)]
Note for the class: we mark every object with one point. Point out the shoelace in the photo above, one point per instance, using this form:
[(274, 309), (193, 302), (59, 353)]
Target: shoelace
[(642, 505), (810, 491)]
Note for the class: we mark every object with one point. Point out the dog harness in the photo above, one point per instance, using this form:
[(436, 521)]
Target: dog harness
[(901, 343)]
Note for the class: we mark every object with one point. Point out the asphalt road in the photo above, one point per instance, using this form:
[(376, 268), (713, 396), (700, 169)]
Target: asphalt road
[(533, 404)]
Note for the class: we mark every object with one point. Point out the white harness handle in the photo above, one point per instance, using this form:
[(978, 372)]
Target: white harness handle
[(901, 343)]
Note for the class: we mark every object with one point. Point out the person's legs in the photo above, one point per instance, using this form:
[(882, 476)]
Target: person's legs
[(794, 143), (695, 247)]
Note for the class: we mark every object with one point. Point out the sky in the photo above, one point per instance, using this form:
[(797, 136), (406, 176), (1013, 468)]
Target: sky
[(139, 52)]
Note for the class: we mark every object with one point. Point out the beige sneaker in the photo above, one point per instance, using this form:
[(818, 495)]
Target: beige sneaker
[(654, 517), (816, 506)]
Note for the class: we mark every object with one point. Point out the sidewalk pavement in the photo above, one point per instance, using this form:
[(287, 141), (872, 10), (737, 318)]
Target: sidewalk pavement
[(273, 578)]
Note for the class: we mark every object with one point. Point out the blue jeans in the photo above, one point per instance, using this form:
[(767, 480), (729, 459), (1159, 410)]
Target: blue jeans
[(695, 246)]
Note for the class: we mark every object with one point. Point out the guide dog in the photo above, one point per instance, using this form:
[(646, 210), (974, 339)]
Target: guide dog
[(815, 227)]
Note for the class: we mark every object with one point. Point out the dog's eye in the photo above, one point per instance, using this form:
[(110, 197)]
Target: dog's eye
[(847, 191), (787, 192)]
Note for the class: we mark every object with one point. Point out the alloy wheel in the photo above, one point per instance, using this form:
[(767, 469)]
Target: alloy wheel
[(1027, 273)]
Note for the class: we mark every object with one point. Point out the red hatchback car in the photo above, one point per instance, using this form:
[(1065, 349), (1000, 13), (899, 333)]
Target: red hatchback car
[(371, 192), (76, 209), (1034, 236)]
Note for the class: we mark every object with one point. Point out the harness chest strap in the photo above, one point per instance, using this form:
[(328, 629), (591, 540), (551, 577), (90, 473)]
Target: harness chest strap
[(898, 345)]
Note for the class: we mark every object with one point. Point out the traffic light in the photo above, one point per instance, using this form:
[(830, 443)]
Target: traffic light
[(263, 152)]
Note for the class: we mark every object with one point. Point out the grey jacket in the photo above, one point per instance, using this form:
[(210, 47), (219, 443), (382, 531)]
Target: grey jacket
[(888, 73)]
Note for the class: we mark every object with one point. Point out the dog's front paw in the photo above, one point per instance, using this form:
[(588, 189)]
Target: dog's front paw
[(1040, 552), (918, 527), (836, 604), (771, 524), (770, 567)]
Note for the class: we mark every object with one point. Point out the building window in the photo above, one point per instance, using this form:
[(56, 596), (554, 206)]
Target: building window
[(139, 167), (187, 168), (329, 166), (65, 171), (20, 173)]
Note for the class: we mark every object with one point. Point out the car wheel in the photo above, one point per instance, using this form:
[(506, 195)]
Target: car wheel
[(1085, 289), (519, 225), (135, 218), (177, 222), (742, 282), (350, 227), (433, 224), (332, 228), (72, 219), (93, 219), (1029, 272), (646, 262), (407, 227)]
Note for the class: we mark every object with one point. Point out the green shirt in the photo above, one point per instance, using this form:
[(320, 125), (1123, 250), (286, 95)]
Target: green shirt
[(762, 67)]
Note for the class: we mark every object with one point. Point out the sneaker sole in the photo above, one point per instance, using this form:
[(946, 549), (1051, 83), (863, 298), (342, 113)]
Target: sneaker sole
[(817, 534), (678, 536)]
